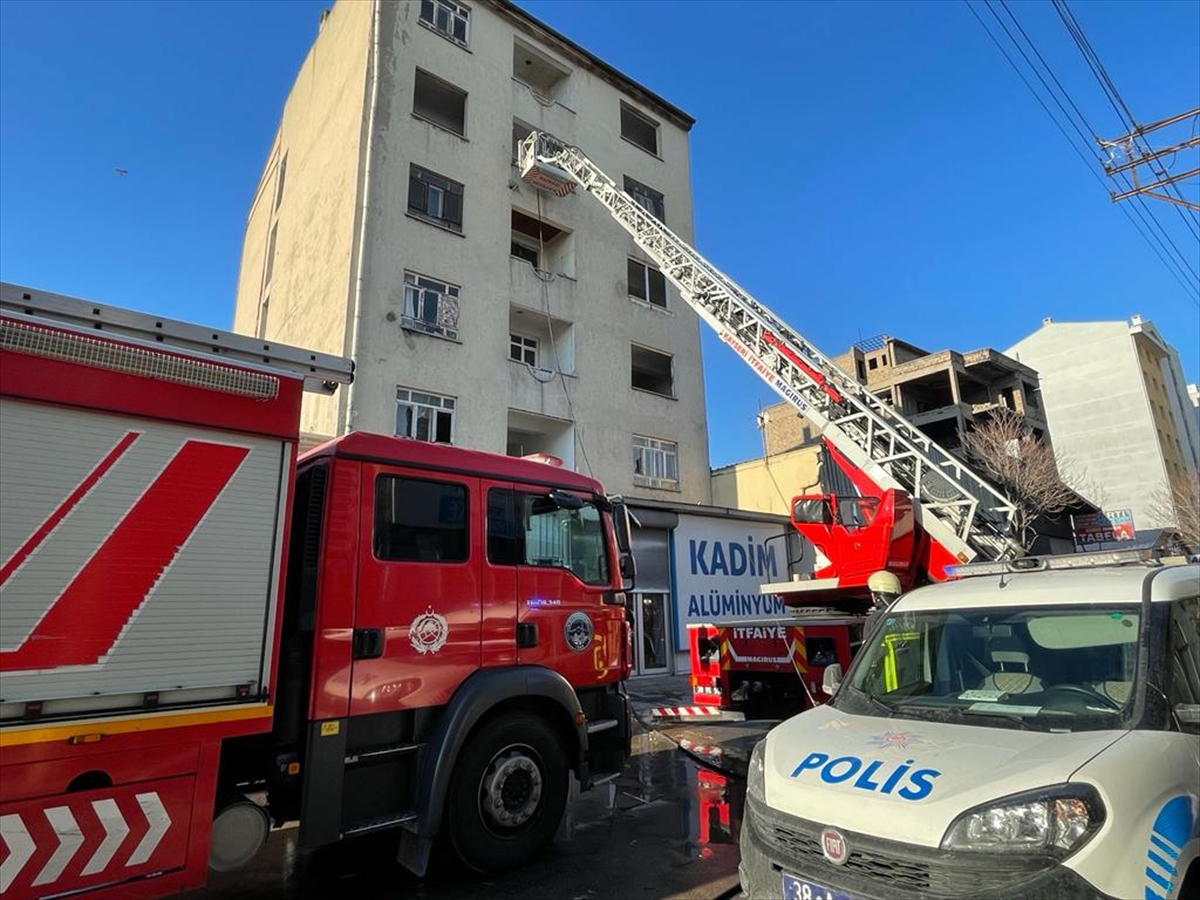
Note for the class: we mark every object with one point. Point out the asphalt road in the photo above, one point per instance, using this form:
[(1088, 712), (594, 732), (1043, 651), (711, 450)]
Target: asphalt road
[(667, 828)]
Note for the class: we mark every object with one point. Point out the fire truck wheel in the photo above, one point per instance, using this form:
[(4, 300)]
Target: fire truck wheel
[(507, 794)]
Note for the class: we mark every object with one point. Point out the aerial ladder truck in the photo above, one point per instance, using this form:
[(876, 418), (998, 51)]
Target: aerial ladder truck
[(917, 509)]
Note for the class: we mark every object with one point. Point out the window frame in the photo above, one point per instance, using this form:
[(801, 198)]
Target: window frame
[(447, 292), (465, 497), (453, 10), (656, 126), (638, 191), (451, 410), (646, 282), (523, 343), (516, 503), (434, 181), (656, 446)]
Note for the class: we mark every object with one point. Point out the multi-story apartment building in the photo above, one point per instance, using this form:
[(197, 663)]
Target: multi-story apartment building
[(1117, 404), (391, 225)]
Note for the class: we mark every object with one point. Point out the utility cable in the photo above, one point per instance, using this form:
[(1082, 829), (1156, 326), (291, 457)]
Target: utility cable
[(1120, 107), (553, 343), (1174, 269)]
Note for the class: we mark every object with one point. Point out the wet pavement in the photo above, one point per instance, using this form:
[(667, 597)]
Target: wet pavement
[(667, 827)]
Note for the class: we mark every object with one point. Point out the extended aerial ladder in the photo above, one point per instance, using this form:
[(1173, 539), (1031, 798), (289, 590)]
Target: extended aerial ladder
[(964, 517)]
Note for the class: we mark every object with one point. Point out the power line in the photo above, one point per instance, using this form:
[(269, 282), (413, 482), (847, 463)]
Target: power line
[(1171, 263), (1120, 107)]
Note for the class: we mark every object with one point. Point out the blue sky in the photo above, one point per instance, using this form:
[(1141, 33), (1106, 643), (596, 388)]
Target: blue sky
[(862, 168)]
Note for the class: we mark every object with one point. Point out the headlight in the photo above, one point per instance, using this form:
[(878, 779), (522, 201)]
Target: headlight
[(756, 774), (1054, 821)]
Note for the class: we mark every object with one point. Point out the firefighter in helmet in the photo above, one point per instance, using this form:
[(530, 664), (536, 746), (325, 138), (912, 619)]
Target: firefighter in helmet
[(884, 587)]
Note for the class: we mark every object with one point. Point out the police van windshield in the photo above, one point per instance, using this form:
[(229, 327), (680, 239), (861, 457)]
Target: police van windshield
[(1060, 668)]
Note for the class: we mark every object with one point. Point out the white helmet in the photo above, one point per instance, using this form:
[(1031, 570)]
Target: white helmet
[(884, 582)]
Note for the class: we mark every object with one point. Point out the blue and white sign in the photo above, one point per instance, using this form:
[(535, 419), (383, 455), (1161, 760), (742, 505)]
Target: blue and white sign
[(719, 565)]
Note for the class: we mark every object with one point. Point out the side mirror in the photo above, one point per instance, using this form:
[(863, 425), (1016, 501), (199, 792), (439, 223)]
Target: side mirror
[(621, 523), (833, 679), (628, 571)]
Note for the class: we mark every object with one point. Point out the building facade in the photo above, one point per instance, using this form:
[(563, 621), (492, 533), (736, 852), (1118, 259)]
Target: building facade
[(945, 393), (1116, 403), (390, 225)]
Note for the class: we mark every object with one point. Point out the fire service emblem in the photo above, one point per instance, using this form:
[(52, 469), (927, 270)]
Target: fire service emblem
[(578, 631), (428, 632)]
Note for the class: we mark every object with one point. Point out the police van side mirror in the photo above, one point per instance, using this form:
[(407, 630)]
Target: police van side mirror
[(832, 678)]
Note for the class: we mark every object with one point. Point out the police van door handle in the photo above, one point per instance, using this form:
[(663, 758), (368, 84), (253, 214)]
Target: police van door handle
[(368, 643)]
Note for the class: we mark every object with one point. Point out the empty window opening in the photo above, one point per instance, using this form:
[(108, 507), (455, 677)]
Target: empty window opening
[(545, 77), (523, 349), (655, 462), (861, 369), (639, 129), (449, 19), (424, 417), (440, 102), (651, 371), (542, 245), (279, 181), (435, 197), (430, 306), (270, 270), (873, 363), (647, 283), (647, 198)]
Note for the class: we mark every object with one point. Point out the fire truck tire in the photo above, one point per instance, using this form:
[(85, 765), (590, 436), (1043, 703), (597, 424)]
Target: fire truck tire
[(507, 793)]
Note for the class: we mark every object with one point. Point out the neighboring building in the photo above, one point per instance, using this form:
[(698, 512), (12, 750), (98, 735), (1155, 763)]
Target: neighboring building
[(1193, 391), (942, 393), (390, 225), (1117, 405), (945, 394)]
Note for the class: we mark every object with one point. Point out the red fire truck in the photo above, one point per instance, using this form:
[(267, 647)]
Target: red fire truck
[(201, 636)]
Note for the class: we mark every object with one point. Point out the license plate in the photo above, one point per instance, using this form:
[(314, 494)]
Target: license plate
[(798, 889)]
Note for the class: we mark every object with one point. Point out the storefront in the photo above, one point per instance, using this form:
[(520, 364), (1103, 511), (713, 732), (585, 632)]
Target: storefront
[(701, 563)]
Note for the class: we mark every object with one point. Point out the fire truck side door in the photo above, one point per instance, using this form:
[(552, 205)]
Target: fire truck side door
[(418, 611)]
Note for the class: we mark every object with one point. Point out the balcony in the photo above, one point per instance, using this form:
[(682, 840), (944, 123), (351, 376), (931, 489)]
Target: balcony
[(539, 390), (531, 288)]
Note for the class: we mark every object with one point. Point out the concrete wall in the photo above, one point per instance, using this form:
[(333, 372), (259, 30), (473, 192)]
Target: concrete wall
[(320, 134), (768, 485), (1099, 412)]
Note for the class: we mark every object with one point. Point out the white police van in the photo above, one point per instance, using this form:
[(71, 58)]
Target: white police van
[(1032, 731)]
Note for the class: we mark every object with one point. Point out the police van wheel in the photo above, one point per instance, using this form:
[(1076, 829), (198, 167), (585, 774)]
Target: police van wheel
[(507, 794)]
